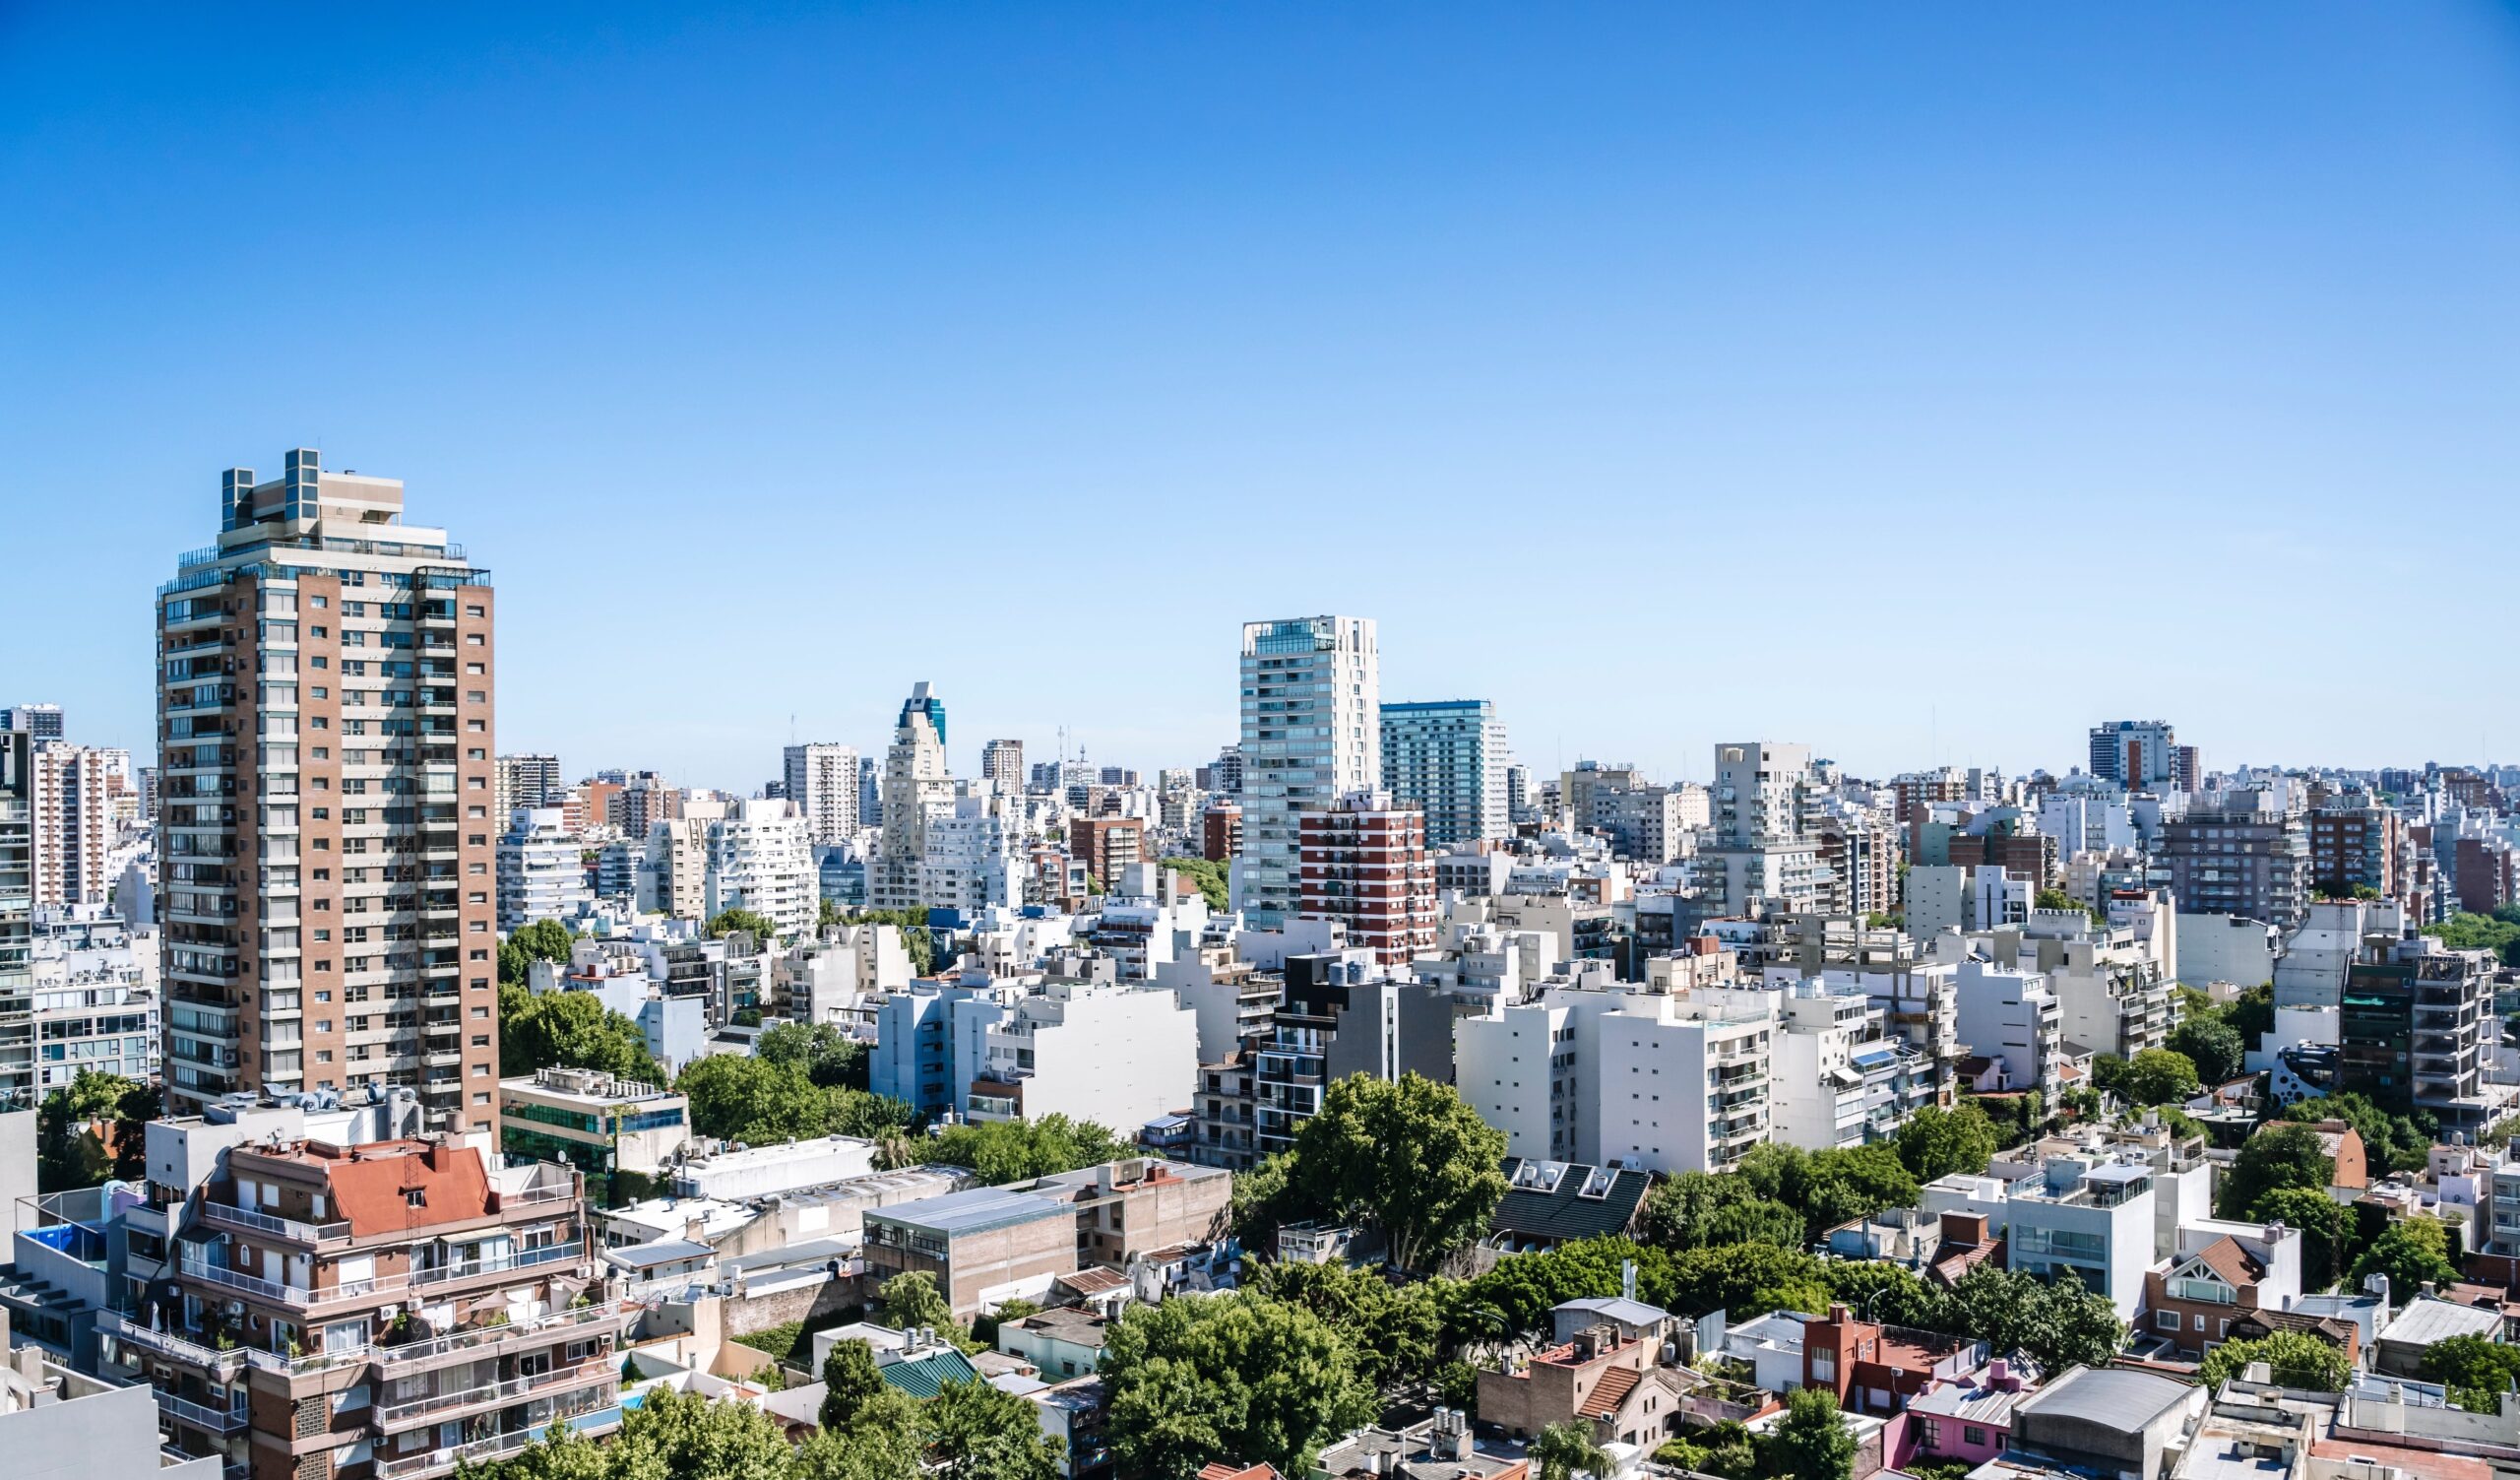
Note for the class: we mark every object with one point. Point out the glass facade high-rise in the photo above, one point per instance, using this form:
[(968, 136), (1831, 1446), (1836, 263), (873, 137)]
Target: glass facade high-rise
[(1311, 732), (1448, 758), (327, 785)]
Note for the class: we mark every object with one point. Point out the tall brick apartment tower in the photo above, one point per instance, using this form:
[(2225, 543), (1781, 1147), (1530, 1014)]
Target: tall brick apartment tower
[(325, 836)]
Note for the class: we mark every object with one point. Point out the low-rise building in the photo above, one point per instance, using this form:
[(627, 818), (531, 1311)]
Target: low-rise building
[(602, 1127), (1138, 1206), (982, 1245)]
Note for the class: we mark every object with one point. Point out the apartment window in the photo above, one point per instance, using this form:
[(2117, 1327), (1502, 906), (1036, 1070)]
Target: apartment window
[(1972, 1434)]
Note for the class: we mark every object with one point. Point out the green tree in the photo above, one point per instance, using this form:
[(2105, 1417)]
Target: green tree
[(830, 1058), (1936, 1143), (2252, 1013), (850, 1381), (751, 922), (1884, 1292), (2058, 1323), (2159, 1076), (1265, 1198), (137, 1107), (668, 1435), (67, 1156), (2278, 1156), (1561, 1452), (739, 1098), (1408, 1156), (976, 1431), (1812, 1442), (1207, 874), (569, 1030), (1748, 1277), (2056, 899), (2411, 1252), (1754, 1220), (1724, 1450), (2477, 1370), (884, 1444), (2213, 1046), (2327, 1231), (1394, 1330), (541, 940), (919, 943), (910, 1299), (1200, 1376), (1849, 1183), (2467, 932), (2391, 1141), (987, 1323), (1517, 1295), (1003, 1151), (1678, 1209), (2295, 1359)]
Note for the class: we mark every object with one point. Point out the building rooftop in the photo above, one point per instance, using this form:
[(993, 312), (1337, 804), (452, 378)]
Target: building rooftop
[(2108, 1397), (1067, 1323), (2425, 1321), (392, 1187), (974, 1210), (1618, 1308)]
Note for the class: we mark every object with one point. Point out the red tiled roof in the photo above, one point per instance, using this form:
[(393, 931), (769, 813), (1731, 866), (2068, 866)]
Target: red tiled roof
[(2234, 1264), (372, 1187), (1608, 1394), (1952, 1261), (1228, 1472)]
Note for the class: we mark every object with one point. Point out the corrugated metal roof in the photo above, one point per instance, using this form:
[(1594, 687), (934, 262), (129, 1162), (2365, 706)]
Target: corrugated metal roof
[(925, 1377)]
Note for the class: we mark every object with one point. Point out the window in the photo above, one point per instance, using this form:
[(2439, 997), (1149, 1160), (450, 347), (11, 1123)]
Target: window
[(2167, 1321), (1972, 1434)]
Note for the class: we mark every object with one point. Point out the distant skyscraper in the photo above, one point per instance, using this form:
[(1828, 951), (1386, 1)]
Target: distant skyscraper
[(2141, 755), (1311, 733), (42, 721), (1518, 801), (528, 781), (325, 715), (75, 788), (1002, 762), (16, 962), (821, 781), (916, 787), (1448, 758)]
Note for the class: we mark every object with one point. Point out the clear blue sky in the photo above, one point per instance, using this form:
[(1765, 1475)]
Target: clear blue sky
[(1924, 383)]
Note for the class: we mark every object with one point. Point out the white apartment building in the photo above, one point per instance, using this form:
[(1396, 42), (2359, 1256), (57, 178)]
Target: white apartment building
[(1517, 1065), (542, 875), (2008, 1014), (917, 788), (821, 781), (77, 792), (530, 781), (96, 1002), (1684, 1082), (1311, 698), (1091, 1050), (758, 861), (837, 977), (2085, 821), (1447, 758), (2112, 989), (673, 871), (969, 858), (2091, 1221), (1835, 1067)]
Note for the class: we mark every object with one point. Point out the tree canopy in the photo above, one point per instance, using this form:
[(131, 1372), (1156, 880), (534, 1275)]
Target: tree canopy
[(1812, 1442), (1003, 1151), (2295, 1359), (1936, 1143), (571, 1030), (2278, 1156), (1409, 1156), (2411, 1252), (2160, 1076), (1199, 1377), (2477, 1370), (2391, 1141), (739, 1097), (2211, 1047), (1831, 1187), (1395, 1329), (541, 940), (1562, 1452), (830, 1058), (1207, 875)]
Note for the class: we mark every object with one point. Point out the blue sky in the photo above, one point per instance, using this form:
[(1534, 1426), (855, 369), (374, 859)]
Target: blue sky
[(1922, 382)]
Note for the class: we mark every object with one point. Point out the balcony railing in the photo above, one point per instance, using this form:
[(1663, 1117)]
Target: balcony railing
[(390, 1358), (287, 1228), (526, 1258), (397, 1415), (211, 1420), (192, 1353)]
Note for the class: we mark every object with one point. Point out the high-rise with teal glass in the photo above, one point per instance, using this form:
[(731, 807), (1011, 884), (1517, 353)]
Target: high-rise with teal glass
[(1311, 730), (1448, 758)]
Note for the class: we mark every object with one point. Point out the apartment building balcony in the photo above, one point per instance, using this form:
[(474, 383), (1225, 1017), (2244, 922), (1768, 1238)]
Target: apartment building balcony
[(128, 1334), (443, 1407), (269, 1224), (208, 1420)]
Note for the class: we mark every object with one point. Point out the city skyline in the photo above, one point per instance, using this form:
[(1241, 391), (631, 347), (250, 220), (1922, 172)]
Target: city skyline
[(2060, 347)]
